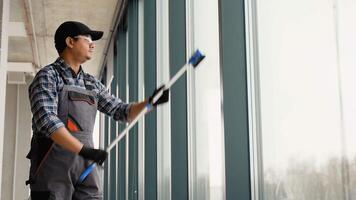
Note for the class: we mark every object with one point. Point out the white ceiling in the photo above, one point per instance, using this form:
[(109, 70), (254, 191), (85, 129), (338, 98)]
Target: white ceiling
[(46, 16)]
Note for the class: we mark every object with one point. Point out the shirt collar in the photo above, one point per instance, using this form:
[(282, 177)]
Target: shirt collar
[(65, 67)]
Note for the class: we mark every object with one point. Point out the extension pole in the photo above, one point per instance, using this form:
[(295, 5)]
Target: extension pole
[(194, 60)]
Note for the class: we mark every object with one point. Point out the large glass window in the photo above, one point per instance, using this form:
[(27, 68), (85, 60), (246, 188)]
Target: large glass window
[(306, 53)]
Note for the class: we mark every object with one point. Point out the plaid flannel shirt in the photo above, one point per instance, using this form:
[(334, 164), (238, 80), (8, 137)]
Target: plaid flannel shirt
[(46, 86)]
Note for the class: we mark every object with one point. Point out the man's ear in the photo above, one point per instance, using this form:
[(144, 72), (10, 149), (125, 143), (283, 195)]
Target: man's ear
[(69, 42)]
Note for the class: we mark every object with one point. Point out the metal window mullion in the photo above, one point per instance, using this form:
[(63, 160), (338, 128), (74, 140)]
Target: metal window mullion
[(222, 106), (235, 105), (141, 96), (101, 141), (117, 131), (106, 171), (163, 112), (127, 135), (121, 51), (254, 109), (116, 65), (113, 128), (192, 174), (16, 141), (108, 160), (150, 84), (133, 81)]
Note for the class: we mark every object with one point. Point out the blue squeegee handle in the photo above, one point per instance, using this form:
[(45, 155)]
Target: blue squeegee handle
[(86, 172), (194, 60)]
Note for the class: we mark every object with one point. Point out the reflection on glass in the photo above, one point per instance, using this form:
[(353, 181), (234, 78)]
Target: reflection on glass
[(208, 131), (308, 98)]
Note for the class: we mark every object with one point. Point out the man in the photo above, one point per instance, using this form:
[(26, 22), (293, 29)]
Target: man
[(64, 100)]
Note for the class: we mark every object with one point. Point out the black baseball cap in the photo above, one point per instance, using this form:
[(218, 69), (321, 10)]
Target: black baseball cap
[(72, 29)]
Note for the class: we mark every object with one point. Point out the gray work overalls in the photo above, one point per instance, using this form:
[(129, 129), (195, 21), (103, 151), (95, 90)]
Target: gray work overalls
[(54, 171)]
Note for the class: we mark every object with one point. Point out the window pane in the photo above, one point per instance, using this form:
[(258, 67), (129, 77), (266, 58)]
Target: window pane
[(303, 135), (347, 47)]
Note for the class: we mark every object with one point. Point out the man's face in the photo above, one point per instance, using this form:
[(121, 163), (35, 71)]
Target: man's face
[(83, 47)]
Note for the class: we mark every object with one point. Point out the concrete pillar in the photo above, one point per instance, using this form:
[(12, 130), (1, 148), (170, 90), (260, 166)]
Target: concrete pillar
[(22, 144), (17, 136), (5, 10), (8, 147)]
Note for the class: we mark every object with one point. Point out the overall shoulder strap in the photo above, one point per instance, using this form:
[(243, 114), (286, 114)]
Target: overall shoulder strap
[(57, 68)]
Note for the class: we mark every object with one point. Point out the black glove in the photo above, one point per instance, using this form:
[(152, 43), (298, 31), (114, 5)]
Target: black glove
[(96, 155), (163, 99)]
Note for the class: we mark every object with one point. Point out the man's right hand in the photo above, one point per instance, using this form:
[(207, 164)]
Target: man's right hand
[(96, 155), (162, 99)]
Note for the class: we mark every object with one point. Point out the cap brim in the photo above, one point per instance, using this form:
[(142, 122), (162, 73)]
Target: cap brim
[(96, 35)]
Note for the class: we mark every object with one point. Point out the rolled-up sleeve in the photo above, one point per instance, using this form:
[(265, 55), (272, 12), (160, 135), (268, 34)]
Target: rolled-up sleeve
[(43, 96), (111, 105)]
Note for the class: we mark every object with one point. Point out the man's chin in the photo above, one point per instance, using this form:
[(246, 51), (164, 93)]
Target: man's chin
[(86, 59)]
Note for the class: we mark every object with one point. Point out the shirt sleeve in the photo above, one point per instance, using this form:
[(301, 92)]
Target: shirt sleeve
[(111, 105), (43, 96)]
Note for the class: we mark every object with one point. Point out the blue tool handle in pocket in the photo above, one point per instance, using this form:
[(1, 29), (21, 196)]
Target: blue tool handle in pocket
[(86, 172)]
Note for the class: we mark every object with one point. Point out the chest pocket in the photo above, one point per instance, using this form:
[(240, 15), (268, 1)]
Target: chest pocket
[(79, 110), (75, 96)]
